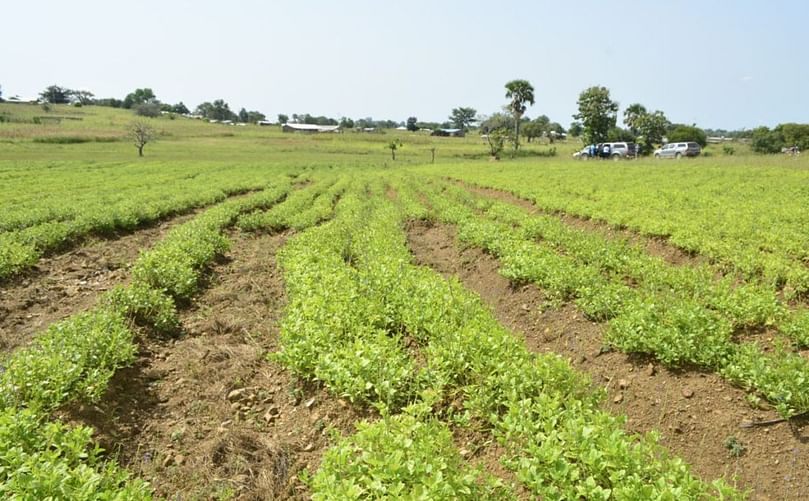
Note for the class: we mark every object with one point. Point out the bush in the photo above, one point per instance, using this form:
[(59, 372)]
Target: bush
[(147, 110), (684, 133), (728, 150), (764, 140)]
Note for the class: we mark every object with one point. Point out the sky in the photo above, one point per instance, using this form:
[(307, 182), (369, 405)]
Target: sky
[(716, 63)]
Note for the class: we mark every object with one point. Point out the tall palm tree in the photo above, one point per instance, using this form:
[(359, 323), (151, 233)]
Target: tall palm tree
[(520, 92)]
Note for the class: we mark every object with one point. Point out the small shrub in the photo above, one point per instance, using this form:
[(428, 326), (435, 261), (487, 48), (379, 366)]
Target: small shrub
[(728, 150), (734, 447), (151, 110)]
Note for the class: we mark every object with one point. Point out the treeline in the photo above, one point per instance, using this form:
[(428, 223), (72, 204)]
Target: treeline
[(781, 137), (344, 122), (144, 102)]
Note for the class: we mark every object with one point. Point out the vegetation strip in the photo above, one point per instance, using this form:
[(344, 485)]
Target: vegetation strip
[(357, 304), (74, 359), (748, 222), (63, 209), (676, 328)]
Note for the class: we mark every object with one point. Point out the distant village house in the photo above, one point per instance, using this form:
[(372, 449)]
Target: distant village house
[(448, 133), (310, 128)]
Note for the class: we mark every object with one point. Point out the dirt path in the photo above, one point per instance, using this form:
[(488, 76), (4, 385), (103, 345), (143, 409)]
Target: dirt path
[(64, 284), (206, 415), (697, 414)]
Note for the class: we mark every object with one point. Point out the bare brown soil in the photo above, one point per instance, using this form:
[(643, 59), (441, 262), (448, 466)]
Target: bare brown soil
[(64, 284), (698, 414), (207, 415)]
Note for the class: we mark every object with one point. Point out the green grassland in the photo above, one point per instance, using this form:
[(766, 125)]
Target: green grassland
[(358, 307), (100, 134)]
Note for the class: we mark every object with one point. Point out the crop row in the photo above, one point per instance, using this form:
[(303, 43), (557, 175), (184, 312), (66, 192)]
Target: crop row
[(678, 315), (429, 356), (750, 220), (744, 305), (305, 207), (35, 222), (74, 360)]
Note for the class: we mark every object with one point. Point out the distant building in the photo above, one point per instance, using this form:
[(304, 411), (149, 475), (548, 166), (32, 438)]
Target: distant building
[(448, 132), (310, 128), (264, 122)]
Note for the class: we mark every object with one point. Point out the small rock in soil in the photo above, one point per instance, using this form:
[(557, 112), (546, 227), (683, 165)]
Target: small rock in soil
[(309, 403), (236, 394), (650, 370), (618, 398), (623, 384), (309, 447), (688, 392)]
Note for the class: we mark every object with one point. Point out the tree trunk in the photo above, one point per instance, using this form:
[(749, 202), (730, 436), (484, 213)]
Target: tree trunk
[(140, 151), (517, 133)]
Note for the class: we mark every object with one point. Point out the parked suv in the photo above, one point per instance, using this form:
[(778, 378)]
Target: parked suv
[(678, 150), (607, 150), (617, 150)]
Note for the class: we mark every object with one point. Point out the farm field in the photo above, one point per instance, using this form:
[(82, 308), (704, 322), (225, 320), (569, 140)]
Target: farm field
[(246, 314)]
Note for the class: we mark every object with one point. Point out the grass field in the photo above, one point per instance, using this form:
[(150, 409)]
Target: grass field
[(248, 314)]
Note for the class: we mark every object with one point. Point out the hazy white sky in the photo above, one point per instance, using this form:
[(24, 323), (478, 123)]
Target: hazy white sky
[(719, 63)]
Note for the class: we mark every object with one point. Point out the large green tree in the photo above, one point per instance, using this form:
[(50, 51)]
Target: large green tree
[(55, 94), (521, 93), (536, 128), (180, 108), (597, 112), (255, 116), (139, 96), (218, 110), (651, 128), (497, 121), (632, 113), (462, 117)]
